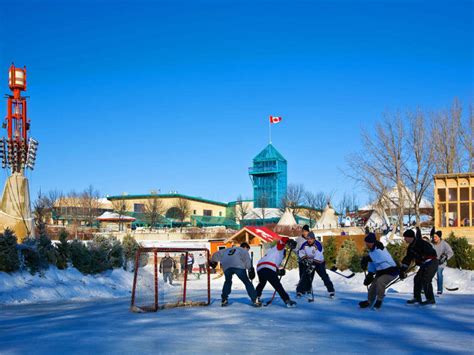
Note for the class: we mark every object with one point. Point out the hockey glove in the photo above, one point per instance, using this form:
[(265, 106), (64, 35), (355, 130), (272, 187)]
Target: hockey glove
[(281, 272), (368, 279), (213, 264), (291, 244), (443, 259), (251, 273), (364, 262), (403, 273)]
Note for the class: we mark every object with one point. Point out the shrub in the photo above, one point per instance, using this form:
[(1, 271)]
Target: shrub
[(130, 247), (348, 256), (397, 251), (9, 261), (46, 251), (107, 252), (31, 259), (330, 251), (63, 252), (80, 256), (463, 253)]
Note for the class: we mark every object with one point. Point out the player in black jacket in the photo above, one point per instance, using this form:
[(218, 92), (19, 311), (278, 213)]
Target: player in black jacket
[(425, 257)]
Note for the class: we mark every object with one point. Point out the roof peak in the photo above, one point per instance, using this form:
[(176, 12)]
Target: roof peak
[(269, 153)]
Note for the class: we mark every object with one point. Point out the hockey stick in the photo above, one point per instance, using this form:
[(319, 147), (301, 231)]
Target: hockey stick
[(333, 269), (266, 304), (365, 276), (398, 279), (447, 288)]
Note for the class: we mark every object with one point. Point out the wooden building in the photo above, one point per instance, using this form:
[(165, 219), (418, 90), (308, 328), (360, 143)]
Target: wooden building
[(454, 204)]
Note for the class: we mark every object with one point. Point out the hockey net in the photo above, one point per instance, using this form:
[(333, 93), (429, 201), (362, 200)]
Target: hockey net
[(190, 285)]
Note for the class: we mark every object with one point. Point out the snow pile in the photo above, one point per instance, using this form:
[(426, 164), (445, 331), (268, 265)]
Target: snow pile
[(67, 284)]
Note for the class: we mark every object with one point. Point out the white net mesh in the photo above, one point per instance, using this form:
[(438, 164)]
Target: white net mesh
[(170, 278)]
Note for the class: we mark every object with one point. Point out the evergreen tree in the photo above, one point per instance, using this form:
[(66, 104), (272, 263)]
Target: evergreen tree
[(130, 247), (397, 251), (463, 253), (347, 255), (9, 261), (63, 255), (330, 252), (46, 250), (80, 256)]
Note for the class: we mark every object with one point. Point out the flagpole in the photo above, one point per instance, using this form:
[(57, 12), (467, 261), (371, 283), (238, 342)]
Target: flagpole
[(270, 131)]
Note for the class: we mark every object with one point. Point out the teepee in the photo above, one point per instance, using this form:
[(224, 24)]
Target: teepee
[(287, 220), (328, 219)]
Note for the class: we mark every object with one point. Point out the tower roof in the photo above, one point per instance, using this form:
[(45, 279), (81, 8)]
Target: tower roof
[(269, 153)]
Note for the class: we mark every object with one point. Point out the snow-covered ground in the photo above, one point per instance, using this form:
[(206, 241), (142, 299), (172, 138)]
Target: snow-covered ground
[(103, 324)]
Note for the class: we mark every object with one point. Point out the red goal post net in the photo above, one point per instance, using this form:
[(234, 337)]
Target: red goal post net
[(156, 285)]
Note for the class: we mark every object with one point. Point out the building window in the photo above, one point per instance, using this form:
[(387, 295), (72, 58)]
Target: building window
[(453, 215), (194, 211), (464, 194), (442, 215), (220, 214), (453, 194), (138, 207), (442, 195), (464, 215), (207, 213)]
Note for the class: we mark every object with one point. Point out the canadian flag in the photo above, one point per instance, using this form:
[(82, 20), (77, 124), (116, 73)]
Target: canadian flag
[(275, 119)]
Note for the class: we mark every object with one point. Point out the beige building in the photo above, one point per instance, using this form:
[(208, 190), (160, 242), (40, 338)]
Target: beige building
[(454, 204), (176, 209)]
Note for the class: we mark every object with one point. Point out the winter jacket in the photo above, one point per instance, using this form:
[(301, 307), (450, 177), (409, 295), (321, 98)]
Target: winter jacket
[(182, 260), (314, 252), (201, 260), (419, 251), (443, 251), (167, 264), (190, 260), (299, 242), (235, 257), (380, 261), (272, 259)]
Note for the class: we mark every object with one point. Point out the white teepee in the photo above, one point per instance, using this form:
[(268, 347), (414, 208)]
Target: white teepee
[(287, 219)]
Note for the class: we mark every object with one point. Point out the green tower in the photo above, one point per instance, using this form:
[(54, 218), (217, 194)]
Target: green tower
[(269, 178)]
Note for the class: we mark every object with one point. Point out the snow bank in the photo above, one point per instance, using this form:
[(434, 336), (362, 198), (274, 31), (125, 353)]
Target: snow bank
[(70, 284)]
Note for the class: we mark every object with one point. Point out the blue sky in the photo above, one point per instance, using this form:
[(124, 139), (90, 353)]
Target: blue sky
[(175, 95)]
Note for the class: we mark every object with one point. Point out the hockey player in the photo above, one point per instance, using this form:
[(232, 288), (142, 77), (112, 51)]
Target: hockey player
[(236, 260), (425, 257), (268, 270), (444, 253), (167, 265), (312, 256), (299, 242), (382, 270)]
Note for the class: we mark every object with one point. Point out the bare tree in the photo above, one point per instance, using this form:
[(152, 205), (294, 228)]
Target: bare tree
[(312, 202), (322, 199), (419, 166), (446, 127), (54, 200), (89, 201), (40, 210), (467, 140), (120, 206), (348, 203), (293, 198), (242, 209), (72, 202), (380, 165), (184, 209), (153, 209), (263, 203)]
